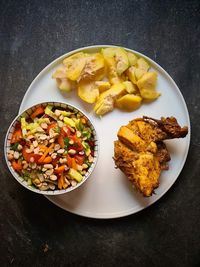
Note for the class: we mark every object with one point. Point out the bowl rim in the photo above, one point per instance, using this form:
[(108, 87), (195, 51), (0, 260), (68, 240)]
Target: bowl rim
[(58, 191)]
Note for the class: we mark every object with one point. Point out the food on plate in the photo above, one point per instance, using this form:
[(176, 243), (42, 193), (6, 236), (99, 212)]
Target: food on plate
[(52, 148), (140, 152), (95, 74), (129, 102), (106, 100), (147, 86)]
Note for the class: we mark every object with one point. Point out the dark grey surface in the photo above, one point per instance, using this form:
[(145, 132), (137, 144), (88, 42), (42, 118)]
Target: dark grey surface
[(32, 34)]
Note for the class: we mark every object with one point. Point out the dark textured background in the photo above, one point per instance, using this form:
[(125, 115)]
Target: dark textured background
[(32, 34)]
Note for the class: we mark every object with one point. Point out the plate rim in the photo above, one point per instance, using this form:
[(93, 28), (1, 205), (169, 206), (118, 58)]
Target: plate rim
[(129, 211)]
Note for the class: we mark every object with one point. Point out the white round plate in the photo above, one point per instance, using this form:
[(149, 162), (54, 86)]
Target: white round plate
[(108, 193)]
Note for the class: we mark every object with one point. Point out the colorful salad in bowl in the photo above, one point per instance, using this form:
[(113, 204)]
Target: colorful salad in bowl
[(51, 148)]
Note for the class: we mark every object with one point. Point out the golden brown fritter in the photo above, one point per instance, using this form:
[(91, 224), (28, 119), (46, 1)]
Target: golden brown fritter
[(141, 153)]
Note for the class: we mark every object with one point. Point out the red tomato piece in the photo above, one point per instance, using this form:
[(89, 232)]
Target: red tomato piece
[(17, 165), (28, 156), (17, 136), (79, 159)]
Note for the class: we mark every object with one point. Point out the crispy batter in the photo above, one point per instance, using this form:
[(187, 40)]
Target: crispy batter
[(141, 153)]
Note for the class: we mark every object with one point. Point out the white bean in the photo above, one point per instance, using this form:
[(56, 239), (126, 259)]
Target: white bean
[(53, 155), (85, 166), (10, 156), (52, 186), (57, 112), (44, 125), (56, 147), (73, 183), (48, 166), (49, 172), (19, 147), (72, 151), (61, 151), (32, 159), (35, 143), (78, 133), (53, 177), (60, 124), (43, 137)]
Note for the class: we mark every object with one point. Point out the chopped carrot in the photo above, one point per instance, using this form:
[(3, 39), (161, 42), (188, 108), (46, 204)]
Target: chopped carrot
[(83, 120), (60, 169), (17, 165), (61, 141), (42, 148), (39, 110), (69, 161), (16, 137), (51, 126), (46, 153), (61, 181), (48, 159), (74, 165)]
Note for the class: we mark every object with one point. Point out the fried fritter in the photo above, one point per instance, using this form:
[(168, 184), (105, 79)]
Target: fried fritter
[(141, 153)]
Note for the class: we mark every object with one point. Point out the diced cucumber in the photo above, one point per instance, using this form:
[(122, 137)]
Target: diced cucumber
[(75, 175)]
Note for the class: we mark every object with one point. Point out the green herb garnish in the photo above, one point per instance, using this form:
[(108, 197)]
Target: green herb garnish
[(66, 142), (56, 130), (14, 147)]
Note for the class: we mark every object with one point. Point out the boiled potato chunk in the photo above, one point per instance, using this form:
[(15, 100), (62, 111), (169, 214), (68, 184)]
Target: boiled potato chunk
[(120, 56), (142, 64), (139, 73), (131, 74), (132, 59), (74, 65), (65, 84), (129, 102), (134, 73), (60, 73), (88, 91), (105, 102), (113, 77), (102, 86), (94, 68), (130, 87), (147, 86)]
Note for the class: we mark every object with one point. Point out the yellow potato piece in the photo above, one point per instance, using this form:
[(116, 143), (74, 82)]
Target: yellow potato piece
[(88, 91), (102, 86), (131, 74), (132, 59), (60, 73), (94, 68), (139, 73), (147, 86), (113, 77), (129, 102), (130, 87), (105, 102), (65, 84), (74, 65), (142, 64), (106, 77), (134, 73), (120, 57)]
